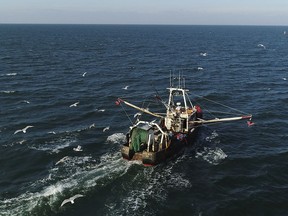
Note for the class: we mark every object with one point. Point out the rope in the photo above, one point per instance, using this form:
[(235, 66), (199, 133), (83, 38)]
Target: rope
[(203, 108), (126, 113), (239, 111)]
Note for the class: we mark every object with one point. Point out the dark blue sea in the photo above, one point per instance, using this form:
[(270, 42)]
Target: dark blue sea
[(230, 169)]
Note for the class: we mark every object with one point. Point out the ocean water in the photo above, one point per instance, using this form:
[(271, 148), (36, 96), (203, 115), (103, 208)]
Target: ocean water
[(231, 169)]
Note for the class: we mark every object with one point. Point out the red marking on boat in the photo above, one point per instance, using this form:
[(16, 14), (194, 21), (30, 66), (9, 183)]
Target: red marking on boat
[(250, 123), (148, 165)]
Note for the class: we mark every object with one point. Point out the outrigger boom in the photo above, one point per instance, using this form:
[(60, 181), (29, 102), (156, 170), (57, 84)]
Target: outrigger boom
[(202, 121), (198, 121), (119, 100)]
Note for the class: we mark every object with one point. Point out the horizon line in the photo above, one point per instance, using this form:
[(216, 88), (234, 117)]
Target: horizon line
[(143, 24)]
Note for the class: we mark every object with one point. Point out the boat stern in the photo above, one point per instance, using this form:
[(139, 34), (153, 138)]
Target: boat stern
[(126, 152)]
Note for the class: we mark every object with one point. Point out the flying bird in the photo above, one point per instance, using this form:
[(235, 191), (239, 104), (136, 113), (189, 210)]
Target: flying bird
[(199, 68), (106, 128), (71, 199), (62, 160), (261, 45), (74, 105), (22, 141), (24, 129), (78, 149), (126, 87), (92, 126)]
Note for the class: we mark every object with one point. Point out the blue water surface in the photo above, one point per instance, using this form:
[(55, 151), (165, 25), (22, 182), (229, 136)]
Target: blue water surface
[(231, 169)]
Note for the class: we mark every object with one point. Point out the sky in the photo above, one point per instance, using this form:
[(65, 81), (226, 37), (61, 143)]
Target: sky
[(180, 12)]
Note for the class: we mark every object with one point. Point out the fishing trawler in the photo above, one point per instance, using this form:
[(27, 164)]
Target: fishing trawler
[(154, 142)]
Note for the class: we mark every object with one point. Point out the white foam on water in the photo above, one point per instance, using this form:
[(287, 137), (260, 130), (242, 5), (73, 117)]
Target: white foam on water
[(135, 201), (26, 202), (84, 175), (209, 150), (20, 142), (178, 181), (117, 138), (11, 74), (109, 166), (80, 174), (212, 137), (211, 155), (149, 185), (7, 92), (54, 146)]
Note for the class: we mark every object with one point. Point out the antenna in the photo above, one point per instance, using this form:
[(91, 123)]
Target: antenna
[(170, 79), (179, 78), (184, 84)]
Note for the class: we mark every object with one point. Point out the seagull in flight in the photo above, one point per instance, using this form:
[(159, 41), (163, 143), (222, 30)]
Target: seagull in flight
[(71, 199), (26, 101), (100, 110), (74, 105), (106, 128), (125, 88), (24, 129), (199, 68), (78, 149), (62, 160), (92, 126), (261, 45)]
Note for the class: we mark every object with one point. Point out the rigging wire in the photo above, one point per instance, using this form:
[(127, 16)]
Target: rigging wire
[(237, 110), (203, 108), (126, 113)]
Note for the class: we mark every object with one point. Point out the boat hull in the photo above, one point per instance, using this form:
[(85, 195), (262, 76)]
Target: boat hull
[(153, 158)]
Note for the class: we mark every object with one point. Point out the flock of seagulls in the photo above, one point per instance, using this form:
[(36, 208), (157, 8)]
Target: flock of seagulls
[(24, 130), (79, 148)]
